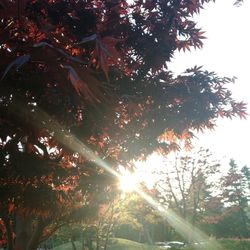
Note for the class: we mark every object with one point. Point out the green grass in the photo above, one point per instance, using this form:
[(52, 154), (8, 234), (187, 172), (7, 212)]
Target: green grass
[(68, 246), (235, 244), (225, 244), (123, 244), (115, 244)]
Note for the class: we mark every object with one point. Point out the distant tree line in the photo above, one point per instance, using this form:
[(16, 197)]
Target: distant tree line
[(195, 189)]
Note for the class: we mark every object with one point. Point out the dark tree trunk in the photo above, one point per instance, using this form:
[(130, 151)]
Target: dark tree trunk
[(36, 235), (9, 232), (23, 232)]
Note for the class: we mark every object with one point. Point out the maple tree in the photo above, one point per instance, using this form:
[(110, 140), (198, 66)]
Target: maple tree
[(92, 72)]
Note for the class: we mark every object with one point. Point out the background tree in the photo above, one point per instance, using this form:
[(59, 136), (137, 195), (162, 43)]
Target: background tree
[(92, 72), (235, 198), (138, 217), (246, 178), (187, 183), (127, 216)]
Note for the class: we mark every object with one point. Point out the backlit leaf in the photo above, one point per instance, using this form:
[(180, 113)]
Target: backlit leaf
[(80, 86)]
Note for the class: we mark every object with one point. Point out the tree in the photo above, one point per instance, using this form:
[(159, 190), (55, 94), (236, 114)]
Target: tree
[(139, 217), (84, 81), (186, 183), (235, 194), (129, 216), (246, 178)]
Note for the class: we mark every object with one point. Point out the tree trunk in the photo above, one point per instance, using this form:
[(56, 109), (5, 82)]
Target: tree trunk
[(89, 243), (23, 232), (110, 228), (9, 232), (97, 240), (147, 234), (36, 235), (139, 237), (73, 244)]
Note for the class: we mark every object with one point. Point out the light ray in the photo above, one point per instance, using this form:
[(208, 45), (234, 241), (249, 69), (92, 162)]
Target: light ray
[(63, 136), (183, 227)]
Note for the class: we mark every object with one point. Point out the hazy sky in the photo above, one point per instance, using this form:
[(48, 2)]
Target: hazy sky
[(227, 52)]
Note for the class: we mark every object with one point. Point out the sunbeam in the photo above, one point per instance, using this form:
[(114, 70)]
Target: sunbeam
[(184, 228)]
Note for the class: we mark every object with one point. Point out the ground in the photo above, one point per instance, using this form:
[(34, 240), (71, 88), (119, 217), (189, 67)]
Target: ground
[(123, 244)]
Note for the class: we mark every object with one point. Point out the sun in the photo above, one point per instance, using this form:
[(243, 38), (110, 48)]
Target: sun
[(144, 173), (128, 182)]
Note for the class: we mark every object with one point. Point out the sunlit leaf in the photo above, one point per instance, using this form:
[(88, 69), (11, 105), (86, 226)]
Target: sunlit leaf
[(80, 86)]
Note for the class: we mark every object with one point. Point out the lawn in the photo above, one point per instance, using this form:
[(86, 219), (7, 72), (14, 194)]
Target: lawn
[(123, 244), (225, 244), (68, 246), (116, 244)]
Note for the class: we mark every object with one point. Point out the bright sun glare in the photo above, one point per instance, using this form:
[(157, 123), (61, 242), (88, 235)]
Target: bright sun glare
[(143, 174), (128, 182)]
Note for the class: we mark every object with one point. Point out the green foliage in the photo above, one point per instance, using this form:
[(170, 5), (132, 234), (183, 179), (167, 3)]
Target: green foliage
[(235, 193), (127, 212), (235, 244)]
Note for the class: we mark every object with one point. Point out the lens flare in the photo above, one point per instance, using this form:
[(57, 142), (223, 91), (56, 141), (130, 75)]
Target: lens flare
[(128, 182), (184, 228)]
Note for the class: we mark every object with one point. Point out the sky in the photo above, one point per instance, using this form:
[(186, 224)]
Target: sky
[(227, 52)]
